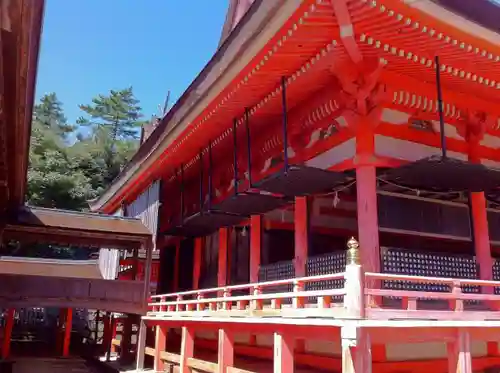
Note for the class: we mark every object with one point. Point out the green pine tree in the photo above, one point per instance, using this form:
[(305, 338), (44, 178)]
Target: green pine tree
[(115, 121), (49, 114), (119, 113)]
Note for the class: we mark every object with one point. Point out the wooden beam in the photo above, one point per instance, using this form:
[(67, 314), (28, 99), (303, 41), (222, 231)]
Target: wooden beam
[(201, 365)]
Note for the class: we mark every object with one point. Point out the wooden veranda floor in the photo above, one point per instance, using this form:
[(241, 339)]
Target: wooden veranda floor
[(250, 364), (52, 365)]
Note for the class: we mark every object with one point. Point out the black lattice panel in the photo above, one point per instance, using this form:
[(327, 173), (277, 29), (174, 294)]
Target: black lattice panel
[(496, 274), (324, 265), (399, 261), (277, 271)]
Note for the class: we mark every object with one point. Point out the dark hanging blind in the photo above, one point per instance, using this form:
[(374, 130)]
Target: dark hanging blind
[(186, 259), (423, 216)]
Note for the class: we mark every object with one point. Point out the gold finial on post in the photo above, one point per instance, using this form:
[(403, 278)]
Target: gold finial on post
[(352, 252)]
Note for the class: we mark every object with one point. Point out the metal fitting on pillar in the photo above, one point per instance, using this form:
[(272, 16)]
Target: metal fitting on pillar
[(353, 252), (354, 281)]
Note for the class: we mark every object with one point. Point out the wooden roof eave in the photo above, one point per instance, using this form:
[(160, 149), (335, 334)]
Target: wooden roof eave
[(21, 25), (66, 227), (256, 28)]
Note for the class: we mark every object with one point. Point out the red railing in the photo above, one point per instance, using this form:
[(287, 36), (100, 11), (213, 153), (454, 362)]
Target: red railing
[(361, 296), (455, 304), (258, 293)]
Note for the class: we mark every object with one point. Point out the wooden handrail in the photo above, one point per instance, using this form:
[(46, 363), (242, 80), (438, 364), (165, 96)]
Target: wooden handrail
[(334, 276), (422, 279), (310, 293)]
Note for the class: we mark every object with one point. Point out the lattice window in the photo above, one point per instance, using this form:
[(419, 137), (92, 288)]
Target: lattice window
[(399, 261), (496, 274), (326, 264), (277, 271)]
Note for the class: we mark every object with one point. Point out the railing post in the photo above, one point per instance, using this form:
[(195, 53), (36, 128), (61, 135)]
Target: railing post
[(163, 308), (354, 282), (457, 304), (298, 302), (179, 307), (257, 303), (227, 305), (200, 306)]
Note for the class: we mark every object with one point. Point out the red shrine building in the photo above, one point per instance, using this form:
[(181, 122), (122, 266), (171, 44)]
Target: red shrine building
[(327, 194)]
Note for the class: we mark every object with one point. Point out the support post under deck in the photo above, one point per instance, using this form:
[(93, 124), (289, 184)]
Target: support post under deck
[(160, 345), (9, 325), (187, 349), (356, 350), (141, 346), (67, 332), (283, 353), (459, 353), (225, 351)]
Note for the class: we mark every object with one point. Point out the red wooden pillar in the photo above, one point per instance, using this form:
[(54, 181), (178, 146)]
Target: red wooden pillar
[(225, 351), (480, 228), (67, 332), (187, 349), (255, 246), (198, 249), (301, 247), (9, 325), (255, 256), (160, 345), (283, 354), (301, 235), (366, 187), (223, 255), (175, 284)]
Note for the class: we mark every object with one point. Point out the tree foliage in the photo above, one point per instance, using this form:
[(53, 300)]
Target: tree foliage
[(70, 166), (66, 174)]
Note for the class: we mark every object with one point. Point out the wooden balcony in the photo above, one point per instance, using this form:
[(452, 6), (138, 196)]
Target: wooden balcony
[(341, 296), (20, 291)]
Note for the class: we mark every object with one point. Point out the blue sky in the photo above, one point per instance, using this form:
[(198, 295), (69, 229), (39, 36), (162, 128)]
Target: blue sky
[(92, 46)]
